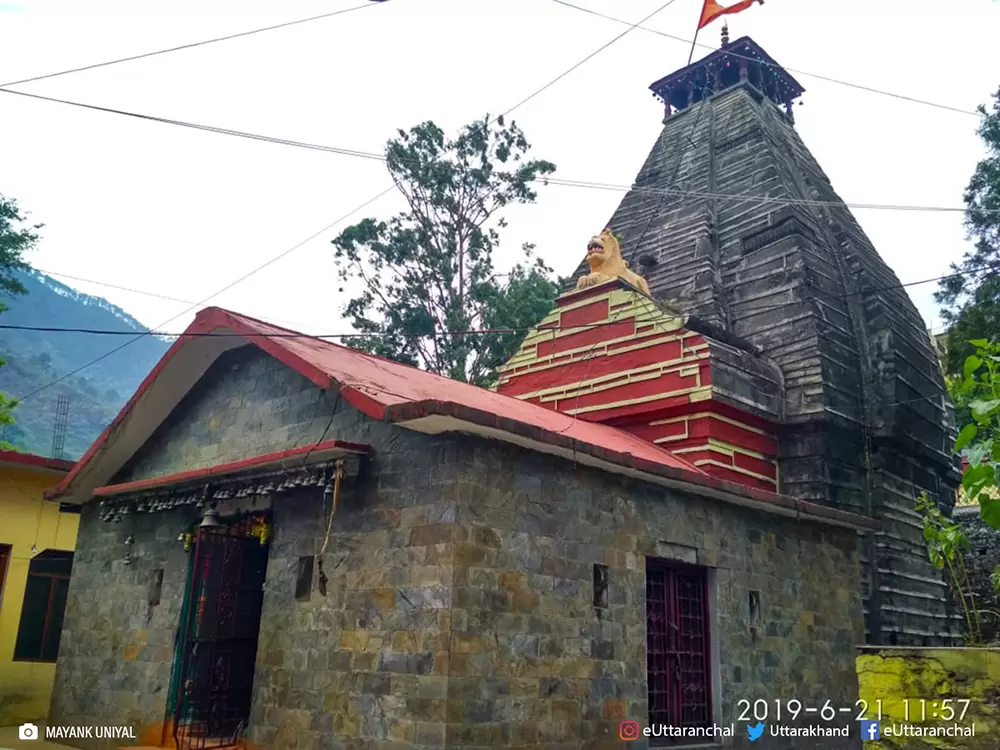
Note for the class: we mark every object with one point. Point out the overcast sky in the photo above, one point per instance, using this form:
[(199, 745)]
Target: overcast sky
[(182, 213)]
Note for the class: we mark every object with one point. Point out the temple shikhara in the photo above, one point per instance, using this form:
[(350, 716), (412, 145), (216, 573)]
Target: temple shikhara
[(775, 347)]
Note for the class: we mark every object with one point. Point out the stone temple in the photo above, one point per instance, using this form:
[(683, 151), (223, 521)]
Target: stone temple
[(687, 494), (732, 221)]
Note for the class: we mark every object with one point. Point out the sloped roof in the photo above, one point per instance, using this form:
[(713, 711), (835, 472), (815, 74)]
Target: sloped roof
[(391, 392), (33, 461)]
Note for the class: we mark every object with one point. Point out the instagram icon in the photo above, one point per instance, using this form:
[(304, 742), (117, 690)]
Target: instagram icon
[(629, 730)]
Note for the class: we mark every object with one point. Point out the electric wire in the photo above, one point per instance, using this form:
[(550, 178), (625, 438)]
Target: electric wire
[(212, 296), (590, 356), (548, 180), (287, 252), (191, 45), (142, 292), (817, 76), (595, 53), (589, 11), (470, 332)]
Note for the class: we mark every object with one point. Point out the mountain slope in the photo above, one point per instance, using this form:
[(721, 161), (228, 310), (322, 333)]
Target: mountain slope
[(35, 358)]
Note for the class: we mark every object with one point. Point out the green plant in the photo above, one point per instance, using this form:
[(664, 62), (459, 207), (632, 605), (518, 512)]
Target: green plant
[(977, 441), (946, 543)]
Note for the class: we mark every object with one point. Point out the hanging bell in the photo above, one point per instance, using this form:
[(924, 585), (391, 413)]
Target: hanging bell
[(210, 520)]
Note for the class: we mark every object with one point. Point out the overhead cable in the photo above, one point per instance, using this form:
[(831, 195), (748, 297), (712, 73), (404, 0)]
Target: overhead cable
[(582, 184), (190, 45)]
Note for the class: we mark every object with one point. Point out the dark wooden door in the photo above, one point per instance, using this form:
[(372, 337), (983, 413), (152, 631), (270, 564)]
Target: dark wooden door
[(219, 649)]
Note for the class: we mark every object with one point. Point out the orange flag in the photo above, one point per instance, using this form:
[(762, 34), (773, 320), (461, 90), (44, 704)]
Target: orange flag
[(713, 10)]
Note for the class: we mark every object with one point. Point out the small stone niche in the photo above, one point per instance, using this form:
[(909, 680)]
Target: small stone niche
[(304, 578), (600, 586), (155, 590), (755, 610)]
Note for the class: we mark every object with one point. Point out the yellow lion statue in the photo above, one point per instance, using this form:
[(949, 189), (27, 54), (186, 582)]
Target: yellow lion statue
[(604, 256)]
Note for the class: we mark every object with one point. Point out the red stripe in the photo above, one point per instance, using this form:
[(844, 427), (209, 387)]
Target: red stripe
[(756, 465), (666, 385), (591, 337), (587, 367), (581, 316)]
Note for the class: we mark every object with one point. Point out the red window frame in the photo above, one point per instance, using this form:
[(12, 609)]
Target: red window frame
[(24, 623), (678, 647)]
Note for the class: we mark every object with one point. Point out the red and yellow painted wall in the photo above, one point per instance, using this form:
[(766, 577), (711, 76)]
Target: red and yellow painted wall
[(610, 354)]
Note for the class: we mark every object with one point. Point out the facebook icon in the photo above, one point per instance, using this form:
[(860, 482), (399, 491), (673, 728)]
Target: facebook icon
[(870, 730)]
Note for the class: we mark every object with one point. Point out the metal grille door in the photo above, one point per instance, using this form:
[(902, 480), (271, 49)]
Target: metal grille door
[(678, 663), (220, 637)]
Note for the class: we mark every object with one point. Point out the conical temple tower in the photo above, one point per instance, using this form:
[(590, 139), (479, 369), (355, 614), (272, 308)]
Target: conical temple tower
[(865, 424)]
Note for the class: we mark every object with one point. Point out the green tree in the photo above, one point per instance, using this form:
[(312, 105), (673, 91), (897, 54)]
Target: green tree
[(970, 299), (17, 237), (979, 440), (427, 274), (976, 393)]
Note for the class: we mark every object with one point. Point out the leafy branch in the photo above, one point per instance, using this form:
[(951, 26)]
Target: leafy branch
[(977, 441), (426, 275), (945, 544)]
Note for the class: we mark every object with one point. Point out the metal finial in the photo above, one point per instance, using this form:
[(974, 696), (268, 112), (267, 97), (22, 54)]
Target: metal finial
[(725, 34)]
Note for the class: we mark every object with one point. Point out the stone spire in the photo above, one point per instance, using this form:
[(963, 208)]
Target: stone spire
[(866, 423)]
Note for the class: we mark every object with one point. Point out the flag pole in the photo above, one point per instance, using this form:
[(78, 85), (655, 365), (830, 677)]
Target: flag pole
[(694, 42)]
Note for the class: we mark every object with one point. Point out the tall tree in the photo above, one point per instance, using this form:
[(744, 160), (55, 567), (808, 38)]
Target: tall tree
[(970, 299), (427, 275), (17, 237)]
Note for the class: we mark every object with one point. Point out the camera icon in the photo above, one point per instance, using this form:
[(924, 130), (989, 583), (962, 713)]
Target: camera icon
[(27, 732)]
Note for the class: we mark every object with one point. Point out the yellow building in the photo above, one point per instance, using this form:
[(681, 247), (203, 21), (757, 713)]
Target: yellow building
[(36, 555)]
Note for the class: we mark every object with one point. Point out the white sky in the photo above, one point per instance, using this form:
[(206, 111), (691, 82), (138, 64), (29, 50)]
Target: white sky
[(182, 213)]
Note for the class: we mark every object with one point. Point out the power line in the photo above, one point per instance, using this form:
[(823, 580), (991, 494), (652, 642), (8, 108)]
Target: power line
[(197, 126), (192, 45), (754, 198), (142, 292), (229, 286), (441, 334), (295, 335), (599, 50), (828, 79), (57, 274), (581, 184), (287, 252)]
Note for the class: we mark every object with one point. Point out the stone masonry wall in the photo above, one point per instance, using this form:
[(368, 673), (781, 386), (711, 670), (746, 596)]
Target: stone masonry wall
[(116, 653), (457, 606), (363, 664), (533, 664)]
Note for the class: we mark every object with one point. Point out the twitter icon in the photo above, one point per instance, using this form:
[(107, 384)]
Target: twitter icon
[(754, 733)]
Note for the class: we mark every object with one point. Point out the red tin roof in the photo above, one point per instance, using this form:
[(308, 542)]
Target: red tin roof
[(32, 461), (391, 392)]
